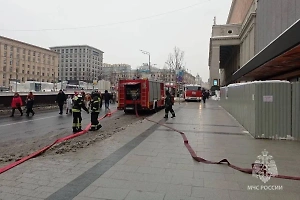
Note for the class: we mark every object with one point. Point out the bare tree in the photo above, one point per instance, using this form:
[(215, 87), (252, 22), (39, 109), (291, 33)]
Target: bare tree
[(175, 63)]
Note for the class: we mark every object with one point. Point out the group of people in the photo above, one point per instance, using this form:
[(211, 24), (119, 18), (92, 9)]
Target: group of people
[(17, 103), (88, 102)]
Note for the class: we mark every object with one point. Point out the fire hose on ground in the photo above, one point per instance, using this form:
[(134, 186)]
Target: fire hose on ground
[(223, 161), (185, 140), (39, 152)]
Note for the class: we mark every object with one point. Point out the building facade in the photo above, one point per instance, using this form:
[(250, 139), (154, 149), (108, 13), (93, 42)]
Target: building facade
[(113, 72), (79, 63), (259, 42), (22, 62)]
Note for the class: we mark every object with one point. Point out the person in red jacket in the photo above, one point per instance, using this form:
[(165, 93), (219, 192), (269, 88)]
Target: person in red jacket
[(16, 103)]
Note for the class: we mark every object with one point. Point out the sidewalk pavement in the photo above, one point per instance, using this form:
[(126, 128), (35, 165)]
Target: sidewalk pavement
[(148, 161)]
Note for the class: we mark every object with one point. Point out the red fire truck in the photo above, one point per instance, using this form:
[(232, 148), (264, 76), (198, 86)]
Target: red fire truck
[(146, 94), (192, 93)]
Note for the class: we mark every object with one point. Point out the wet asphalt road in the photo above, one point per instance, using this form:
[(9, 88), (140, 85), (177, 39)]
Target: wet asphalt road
[(43, 123)]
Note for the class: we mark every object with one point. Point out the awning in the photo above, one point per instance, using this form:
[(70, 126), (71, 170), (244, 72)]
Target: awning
[(275, 58)]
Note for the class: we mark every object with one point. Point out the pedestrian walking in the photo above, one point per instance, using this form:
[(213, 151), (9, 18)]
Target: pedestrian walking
[(107, 98), (29, 104), (16, 103), (168, 105), (69, 104), (78, 104), (205, 96), (60, 100), (95, 110)]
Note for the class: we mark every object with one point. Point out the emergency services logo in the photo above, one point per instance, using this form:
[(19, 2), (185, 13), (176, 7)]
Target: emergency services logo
[(264, 168)]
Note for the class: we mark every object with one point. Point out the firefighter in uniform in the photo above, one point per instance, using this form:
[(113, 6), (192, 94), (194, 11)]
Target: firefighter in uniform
[(168, 105), (95, 110), (78, 103)]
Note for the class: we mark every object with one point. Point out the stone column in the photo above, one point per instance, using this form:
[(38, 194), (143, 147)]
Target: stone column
[(215, 65)]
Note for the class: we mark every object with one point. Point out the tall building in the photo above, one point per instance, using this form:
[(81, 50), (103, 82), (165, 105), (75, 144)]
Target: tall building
[(79, 63), (260, 41), (25, 62)]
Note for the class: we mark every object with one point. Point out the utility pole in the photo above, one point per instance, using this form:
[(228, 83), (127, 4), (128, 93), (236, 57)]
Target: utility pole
[(147, 53)]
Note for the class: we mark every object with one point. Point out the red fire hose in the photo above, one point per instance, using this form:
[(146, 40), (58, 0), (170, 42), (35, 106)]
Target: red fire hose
[(39, 152), (199, 159)]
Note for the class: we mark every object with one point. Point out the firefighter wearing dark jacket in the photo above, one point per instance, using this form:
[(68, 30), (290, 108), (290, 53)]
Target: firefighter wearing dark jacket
[(95, 110), (168, 105), (78, 103)]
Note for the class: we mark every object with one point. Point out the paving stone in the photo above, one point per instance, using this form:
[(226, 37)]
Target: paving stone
[(9, 196), (29, 198), (110, 183), (171, 196), (124, 168), (129, 176), (150, 170), (28, 186), (87, 198), (254, 195), (110, 193), (174, 189), (88, 191), (157, 178), (135, 195), (220, 184), (187, 181), (210, 194), (180, 173)]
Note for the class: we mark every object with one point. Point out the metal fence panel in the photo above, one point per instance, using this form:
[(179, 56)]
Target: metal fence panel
[(296, 110), (273, 110)]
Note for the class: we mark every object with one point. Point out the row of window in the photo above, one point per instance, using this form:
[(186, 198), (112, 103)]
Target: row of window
[(28, 67), (23, 78), (31, 72), (79, 60), (75, 51), (29, 52), (79, 56)]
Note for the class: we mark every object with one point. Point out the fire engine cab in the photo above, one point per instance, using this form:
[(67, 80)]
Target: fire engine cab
[(142, 94), (192, 93)]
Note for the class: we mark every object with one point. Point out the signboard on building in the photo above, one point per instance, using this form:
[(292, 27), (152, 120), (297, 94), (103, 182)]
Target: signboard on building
[(215, 83), (179, 75)]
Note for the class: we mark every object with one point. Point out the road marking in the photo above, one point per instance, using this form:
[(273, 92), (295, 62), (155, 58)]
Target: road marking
[(27, 121)]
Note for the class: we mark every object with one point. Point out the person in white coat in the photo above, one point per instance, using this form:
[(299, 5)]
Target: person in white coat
[(69, 104)]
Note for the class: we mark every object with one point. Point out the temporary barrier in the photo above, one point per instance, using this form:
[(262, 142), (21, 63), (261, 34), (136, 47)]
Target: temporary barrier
[(296, 110), (262, 107)]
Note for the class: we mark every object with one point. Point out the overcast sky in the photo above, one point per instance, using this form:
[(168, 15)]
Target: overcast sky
[(189, 29)]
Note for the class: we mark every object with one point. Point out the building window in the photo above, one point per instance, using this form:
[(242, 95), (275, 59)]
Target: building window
[(67, 51), (10, 62), (4, 61), (29, 52), (71, 50), (5, 46), (28, 58), (34, 53), (63, 51), (11, 48)]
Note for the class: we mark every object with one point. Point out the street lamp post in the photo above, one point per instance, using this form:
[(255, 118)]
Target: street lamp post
[(147, 53)]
